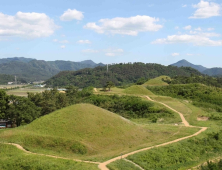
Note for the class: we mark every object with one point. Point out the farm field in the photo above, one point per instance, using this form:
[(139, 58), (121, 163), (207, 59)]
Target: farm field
[(24, 91)]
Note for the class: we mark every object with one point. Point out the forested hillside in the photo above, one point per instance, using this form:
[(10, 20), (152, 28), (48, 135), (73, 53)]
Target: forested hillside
[(4, 79), (33, 70), (120, 74)]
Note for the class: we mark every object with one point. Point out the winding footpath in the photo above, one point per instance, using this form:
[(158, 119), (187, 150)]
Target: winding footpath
[(102, 166), (21, 148)]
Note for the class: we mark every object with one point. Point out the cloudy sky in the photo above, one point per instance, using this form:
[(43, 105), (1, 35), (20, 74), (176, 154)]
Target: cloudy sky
[(113, 31)]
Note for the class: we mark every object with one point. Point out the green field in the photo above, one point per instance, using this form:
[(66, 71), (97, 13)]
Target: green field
[(13, 158), (24, 91)]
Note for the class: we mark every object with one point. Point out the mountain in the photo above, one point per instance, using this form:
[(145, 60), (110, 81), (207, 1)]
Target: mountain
[(120, 74), (21, 59), (216, 71), (185, 63), (31, 69)]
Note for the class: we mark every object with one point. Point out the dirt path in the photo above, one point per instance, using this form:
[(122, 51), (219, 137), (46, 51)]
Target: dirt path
[(134, 164), (102, 166), (181, 115), (95, 90), (21, 148)]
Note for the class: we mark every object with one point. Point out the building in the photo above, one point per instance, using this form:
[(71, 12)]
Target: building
[(5, 124)]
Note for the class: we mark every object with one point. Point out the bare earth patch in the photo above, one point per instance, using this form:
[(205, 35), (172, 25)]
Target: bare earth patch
[(203, 118)]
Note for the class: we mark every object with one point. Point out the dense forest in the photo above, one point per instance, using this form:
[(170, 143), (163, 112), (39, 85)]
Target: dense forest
[(120, 74)]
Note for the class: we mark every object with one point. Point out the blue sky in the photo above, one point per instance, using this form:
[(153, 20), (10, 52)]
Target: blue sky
[(150, 31)]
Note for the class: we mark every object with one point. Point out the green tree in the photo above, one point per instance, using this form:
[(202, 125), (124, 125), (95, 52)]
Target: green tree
[(109, 85), (4, 104), (22, 109)]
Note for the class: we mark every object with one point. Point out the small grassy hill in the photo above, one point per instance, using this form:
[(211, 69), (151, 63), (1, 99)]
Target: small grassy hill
[(136, 89), (157, 81), (85, 131)]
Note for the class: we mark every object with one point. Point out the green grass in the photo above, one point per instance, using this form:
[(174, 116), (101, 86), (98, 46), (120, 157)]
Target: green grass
[(24, 91), (103, 134), (122, 165), (137, 89), (157, 81), (13, 158)]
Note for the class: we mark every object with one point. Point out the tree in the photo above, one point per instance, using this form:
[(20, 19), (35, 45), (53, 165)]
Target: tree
[(4, 103), (22, 109), (109, 84), (141, 81)]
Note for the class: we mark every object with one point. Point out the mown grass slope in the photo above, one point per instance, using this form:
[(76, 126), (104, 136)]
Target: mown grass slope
[(157, 81), (85, 131), (137, 89)]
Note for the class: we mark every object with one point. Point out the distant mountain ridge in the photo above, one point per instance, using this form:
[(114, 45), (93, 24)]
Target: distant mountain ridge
[(31, 69), (216, 71), (185, 63)]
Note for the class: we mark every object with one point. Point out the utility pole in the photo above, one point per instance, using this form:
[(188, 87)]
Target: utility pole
[(15, 82), (107, 68)]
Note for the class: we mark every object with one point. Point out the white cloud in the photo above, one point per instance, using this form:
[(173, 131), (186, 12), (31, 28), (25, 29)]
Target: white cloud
[(198, 29), (184, 5), (197, 40), (206, 9), (175, 54), (126, 26), (90, 51), (70, 15), (190, 54), (84, 42), (110, 54), (210, 29), (188, 27), (64, 41), (62, 46), (28, 25)]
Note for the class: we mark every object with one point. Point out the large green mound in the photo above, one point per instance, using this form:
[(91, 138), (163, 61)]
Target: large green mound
[(136, 89), (157, 81), (84, 131), (81, 129)]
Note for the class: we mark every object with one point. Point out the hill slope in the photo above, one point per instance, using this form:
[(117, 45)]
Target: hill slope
[(157, 81), (184, 63), (32, 70), (120, 74), (85, 131), (213, 71)]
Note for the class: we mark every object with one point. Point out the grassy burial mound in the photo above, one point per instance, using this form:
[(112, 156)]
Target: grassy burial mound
[(85, 131), (157, 81), (136, 89)]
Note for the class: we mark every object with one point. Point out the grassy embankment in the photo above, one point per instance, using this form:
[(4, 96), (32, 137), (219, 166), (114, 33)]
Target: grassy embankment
[(87, 132), (13, 158)]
